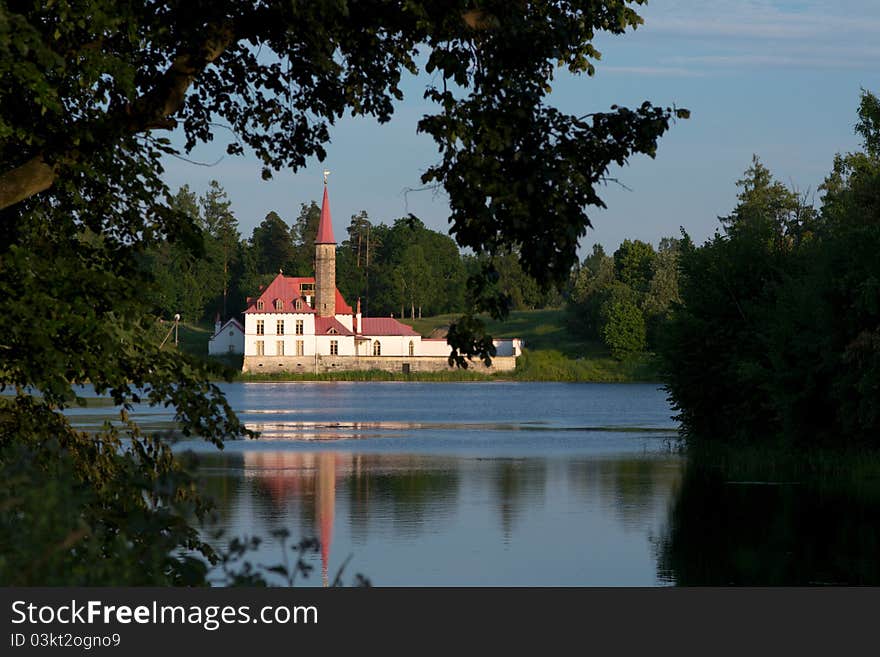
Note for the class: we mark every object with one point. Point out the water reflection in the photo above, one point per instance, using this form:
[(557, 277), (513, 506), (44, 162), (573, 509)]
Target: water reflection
[(411, 519), (747, 531)]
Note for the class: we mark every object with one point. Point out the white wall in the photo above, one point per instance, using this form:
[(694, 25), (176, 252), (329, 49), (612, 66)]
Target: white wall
[(270, 338), (435, 347), (230, 340), (394, 345)]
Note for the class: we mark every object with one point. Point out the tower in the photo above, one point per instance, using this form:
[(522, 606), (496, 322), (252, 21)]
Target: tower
[(325, 261)]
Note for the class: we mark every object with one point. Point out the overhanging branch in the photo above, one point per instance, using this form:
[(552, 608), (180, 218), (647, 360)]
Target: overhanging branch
[(153, 110)]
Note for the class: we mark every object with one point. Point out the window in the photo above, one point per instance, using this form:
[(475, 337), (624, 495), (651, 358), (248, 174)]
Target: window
[(334, 347), (279, 327), (232, 349), (298, 304), (377, 348), (259, 305), (279, 348), (412, 348), (231, 333), (299, 327), (261, 329), (261, 348), (300, 348), (279, 304), (333, 331)]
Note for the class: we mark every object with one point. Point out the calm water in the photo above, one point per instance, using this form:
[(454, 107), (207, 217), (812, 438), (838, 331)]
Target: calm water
[(516, 484), (445, 484)]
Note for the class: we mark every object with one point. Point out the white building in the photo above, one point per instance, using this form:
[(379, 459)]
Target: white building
[(228, 338), (304, 324)]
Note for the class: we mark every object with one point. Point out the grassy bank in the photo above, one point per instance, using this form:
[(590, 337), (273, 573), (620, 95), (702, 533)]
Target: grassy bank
[(552, 353)]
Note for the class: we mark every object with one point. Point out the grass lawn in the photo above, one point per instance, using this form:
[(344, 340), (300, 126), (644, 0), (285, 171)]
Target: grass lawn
[(552, 351)]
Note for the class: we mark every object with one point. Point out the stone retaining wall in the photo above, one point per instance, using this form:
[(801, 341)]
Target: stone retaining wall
[(321, 364)]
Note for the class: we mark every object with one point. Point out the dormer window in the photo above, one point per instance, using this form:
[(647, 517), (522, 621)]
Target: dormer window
[(260, 305), (298, 304), (332, 331), (279, 304)]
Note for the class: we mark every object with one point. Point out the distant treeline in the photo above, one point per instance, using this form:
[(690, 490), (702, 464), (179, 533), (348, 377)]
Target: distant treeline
[(778, 336), (625, 300), (404, 269)]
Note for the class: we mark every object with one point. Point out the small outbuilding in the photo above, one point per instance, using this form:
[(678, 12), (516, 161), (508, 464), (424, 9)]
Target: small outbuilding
[(228, 338)]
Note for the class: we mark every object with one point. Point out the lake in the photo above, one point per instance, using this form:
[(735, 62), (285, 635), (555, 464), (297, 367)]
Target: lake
[(503, 484), (454, 483)]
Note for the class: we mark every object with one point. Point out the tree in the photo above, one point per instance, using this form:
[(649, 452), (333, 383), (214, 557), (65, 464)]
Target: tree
[(634, 264), (302, 235), (519, 173), (622, 322), (662, 291), (776, 340), (87, 89), (272, 246), (223, 241)]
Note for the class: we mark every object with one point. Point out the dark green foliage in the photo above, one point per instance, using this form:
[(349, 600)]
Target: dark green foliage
[(634, 264), (78, 509), (404, 269), (778, 337), (625, 300), (623, 324)]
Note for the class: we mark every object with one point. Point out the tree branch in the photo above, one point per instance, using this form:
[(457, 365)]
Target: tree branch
[(32, 177), (151, 111)]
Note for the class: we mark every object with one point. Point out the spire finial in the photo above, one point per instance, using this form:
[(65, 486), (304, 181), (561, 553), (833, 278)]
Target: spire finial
[(326, 173)]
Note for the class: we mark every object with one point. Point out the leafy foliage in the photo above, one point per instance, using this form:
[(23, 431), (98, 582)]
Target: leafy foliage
[(777, 336), (623, 324)]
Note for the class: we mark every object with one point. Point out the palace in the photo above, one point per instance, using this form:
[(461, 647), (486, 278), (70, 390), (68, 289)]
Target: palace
[(303, 324)]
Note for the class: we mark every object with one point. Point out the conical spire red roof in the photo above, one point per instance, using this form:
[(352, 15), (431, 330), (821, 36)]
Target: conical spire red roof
[(325, 226)]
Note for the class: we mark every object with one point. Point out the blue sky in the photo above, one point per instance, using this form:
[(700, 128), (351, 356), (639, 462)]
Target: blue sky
[(777, 78)]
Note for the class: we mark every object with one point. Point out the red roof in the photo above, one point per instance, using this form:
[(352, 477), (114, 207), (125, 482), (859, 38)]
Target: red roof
[(287, 289), (384, 326), (324, 324), (325, 226)]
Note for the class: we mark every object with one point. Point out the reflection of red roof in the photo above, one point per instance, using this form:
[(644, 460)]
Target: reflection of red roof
[(324, 324), (384, 326), (325, 226), (287, 289)]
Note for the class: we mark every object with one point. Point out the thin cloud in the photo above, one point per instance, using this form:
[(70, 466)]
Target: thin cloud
[(657, 71), (827, 20)]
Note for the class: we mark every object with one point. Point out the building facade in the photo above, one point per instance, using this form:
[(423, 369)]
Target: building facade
[(303, 324), (228, 338)]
